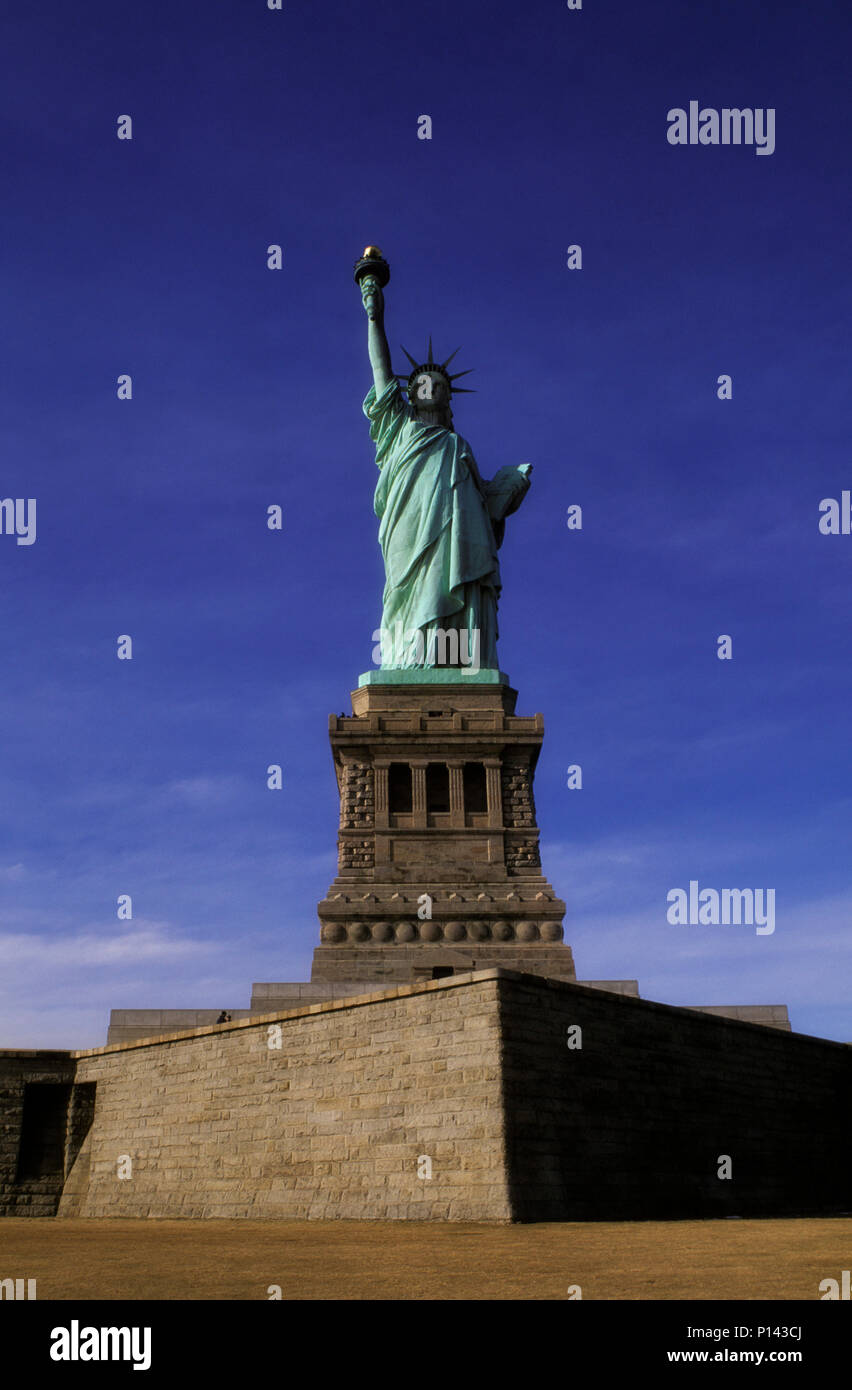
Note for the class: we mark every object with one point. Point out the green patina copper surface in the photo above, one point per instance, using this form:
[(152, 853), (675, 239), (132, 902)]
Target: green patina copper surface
[(434, 675), (441, 522)]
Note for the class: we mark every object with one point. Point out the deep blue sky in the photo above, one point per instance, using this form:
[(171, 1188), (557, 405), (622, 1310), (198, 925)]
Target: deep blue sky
[(700, 516)]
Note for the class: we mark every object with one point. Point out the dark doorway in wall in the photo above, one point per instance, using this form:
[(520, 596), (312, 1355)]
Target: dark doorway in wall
[(475, 791), (437, 788), (399, 789), (42, 1148), (440, 972)]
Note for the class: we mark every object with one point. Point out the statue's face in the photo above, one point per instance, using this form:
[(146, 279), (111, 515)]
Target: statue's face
[(431, 391)]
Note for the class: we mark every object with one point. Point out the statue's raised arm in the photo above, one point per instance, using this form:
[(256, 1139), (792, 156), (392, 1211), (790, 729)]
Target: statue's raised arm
[(372, 273)]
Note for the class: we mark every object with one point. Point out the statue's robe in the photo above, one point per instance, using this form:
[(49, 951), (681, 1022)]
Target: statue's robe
[(438, 539)]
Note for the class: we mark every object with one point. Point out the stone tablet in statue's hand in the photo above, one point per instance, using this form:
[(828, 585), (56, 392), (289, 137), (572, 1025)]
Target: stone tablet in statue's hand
[(505, 492)]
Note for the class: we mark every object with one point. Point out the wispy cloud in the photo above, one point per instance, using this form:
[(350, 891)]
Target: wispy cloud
[(616, 887), (146, 941)]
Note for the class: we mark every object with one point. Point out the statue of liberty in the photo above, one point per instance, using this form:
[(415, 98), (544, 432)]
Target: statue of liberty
[(441, 522)]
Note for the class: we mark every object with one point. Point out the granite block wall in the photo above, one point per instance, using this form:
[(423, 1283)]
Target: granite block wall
[(336, 1122), (633, 1124), (457, 1099)]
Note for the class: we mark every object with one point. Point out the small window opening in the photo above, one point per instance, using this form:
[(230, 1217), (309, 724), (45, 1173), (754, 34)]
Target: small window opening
[(399, 788)]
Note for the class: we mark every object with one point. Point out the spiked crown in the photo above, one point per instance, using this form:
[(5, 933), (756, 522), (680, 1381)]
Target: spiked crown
[(432, 366)]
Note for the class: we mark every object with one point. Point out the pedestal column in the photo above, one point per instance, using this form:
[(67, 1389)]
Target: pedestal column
[(493, 792), (418, 793), (456, 771)]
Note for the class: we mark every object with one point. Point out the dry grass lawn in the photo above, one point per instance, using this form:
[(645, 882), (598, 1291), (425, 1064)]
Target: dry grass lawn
[(413, 1260)]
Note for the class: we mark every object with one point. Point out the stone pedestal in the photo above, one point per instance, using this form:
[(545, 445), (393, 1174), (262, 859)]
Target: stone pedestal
[(439, 867)]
